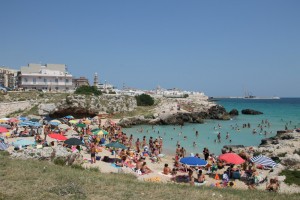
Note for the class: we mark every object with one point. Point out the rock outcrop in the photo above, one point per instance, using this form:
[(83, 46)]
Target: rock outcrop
[(178, 118), (251, 112), (83, 106), (234, 112)]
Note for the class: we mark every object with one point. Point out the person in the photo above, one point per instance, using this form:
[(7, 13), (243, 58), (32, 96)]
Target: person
[(273, 185), (201, 177), (145, 169), (167, 169), (93, 154)]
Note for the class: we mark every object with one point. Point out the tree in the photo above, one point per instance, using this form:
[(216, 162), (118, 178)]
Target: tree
[(88, 90), (144, 100)]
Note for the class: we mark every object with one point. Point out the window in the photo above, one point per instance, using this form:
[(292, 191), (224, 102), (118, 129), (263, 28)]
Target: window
[(34, 80), (67, 80), (25, 80), (45, 80), (56, 80), (56, 88)]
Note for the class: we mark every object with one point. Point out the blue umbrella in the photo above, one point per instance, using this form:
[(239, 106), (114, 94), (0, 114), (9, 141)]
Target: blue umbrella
[(69, 117), (23, 142), (193, 161), (23, 118), (54, 123)]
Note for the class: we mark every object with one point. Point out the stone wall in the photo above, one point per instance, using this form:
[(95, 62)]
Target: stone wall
[(6, 108)]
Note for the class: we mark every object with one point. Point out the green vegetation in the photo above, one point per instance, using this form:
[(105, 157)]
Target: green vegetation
[(88, 90), (31, 179), (292, 176), (140, 110), (144, 100), (282, 154), (16, 113)]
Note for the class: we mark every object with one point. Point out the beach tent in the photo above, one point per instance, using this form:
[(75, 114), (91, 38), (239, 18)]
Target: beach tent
[(232, 158), (57, 136), (23, 142), (193, 161), (264, 161)]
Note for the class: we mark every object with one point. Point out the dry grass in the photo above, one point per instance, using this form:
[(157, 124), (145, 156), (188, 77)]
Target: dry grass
[(140, 110), (22, 179)]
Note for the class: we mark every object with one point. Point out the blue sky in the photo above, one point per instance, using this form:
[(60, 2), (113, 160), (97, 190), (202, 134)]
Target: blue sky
[(219, 47)]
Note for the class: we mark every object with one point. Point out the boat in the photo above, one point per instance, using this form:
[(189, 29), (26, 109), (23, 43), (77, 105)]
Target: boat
[(250, 96)]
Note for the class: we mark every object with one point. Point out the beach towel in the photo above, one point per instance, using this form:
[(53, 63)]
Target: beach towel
[(169, 175)]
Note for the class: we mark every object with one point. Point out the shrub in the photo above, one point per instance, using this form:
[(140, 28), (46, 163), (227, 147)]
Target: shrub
[(144, 100), (292, 176), (88, 90), (282, 154), (77, 166), (185, 96), (59, 161)]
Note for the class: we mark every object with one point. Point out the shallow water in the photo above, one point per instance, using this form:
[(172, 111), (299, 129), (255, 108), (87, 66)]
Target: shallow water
[(279, 113)]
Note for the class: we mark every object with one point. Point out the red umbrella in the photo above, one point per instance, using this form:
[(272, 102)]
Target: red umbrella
[(3, 129), (13, 120), (232, 158), (57, 136)]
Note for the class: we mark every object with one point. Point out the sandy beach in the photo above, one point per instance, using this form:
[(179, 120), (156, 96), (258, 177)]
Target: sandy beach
[(157, 167)]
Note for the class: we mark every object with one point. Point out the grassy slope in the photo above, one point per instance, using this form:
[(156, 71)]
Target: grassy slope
[(21, 179)]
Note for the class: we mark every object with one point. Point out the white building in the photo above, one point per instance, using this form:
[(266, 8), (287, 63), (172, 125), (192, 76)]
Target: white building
[(52, 77)]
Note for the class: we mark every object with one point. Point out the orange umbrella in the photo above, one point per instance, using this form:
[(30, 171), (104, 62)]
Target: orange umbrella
[(57, 136)]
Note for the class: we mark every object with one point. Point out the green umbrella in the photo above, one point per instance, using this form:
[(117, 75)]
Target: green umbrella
[(81, 125), (116, 145)]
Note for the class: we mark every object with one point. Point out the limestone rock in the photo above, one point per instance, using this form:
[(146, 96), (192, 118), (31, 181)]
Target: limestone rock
[(234, 112), (251, 112)]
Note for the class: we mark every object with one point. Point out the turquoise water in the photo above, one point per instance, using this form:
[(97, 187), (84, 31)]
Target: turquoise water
[(279, 113)]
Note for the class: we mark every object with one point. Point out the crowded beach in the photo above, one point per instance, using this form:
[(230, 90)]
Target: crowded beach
[(101, 143)]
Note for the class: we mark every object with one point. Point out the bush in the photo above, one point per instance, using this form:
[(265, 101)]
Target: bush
[(292, 177), (88, 90), (77, 166), (144, 100), (185, 96), (59, 161)]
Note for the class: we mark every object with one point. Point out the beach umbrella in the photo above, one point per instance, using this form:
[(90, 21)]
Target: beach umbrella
[(193, 161), (13, 120), (81, 125), (23, 142), (55, 122), (34, 120), (74, 121), (69, 117), (3, 129), (3, 146), (116, 145), (99, 132), (6, 126), (264, 161), (73, 141), (87, 122), (47, 118), (63, 126), (232, 158), (57, 136), (36, 124), (23, 118)]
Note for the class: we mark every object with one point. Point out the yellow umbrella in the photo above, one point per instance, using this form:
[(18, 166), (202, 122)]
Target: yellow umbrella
[(87, 122), (74, 121)]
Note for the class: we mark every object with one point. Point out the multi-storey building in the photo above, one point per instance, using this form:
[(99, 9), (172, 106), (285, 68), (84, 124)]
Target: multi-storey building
[(52, 77), (8, 77)]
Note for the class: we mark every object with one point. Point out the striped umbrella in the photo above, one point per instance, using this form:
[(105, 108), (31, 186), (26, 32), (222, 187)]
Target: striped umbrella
[(264, 161)]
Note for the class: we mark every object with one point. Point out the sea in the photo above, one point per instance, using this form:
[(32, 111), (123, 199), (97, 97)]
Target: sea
[(278, 114)]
